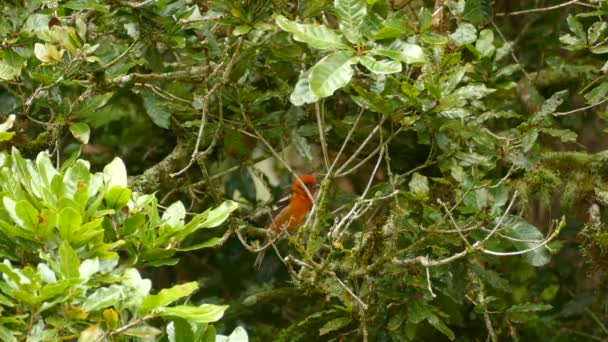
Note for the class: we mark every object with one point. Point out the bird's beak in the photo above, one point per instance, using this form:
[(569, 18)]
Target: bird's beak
[(316, 186)]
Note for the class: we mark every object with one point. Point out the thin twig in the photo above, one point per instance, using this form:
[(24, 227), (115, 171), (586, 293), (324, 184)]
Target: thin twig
[(205, 108), (580, 109), (544, 9), (321, 127)]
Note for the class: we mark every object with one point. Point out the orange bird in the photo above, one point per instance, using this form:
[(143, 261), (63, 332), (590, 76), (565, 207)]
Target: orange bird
[(298, 204), (294, 209)]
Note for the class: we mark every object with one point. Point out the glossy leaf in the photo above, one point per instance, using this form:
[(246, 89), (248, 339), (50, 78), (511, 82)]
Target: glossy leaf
[(331, 73)]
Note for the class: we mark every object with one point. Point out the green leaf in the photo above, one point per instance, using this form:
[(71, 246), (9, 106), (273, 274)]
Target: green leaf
[(115, 173), (530, 307), (351, 14), (317, 36), (383, 66), (418, 311), (530, 237), (302, 145), (155, 110), (103, 297), (47, 53), (69, 263), (419, 184), (550, 105), (576, 27), (218, 215), (238, 335), (69, 222), (167, 296), (301, 93), (596, 31), (464, 34), (477, 12), (205, 313), (80, 131), (334, 324), (332, 72), (485, 44), (455, 113), (27, 214), (207, 244), (91, 334), (400, 51), (175, 214), (91, 104), (10, 65), (144, 332), (439, 325), (6, 334), (597, 94), (117, 197)]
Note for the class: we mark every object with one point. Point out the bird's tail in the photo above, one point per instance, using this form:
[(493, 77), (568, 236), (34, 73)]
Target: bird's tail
[(259, 259)]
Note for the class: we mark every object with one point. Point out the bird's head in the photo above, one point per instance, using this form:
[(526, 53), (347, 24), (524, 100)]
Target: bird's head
[(309, 181)]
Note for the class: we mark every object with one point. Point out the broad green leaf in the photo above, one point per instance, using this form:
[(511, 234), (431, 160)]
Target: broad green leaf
[(520, 229), (455, 113), (206, 313), (80, 131), (400, 51), (597, 94), (175, 214), (551, 104), (301, 144), (301, 93), (91, 334), (383, 66), (218, 215), (88, 268), (351, 14), (464, 34), (434, 38), (599, 49), (47, 53), (155, 109), (596, 31), (6, 334), (144, 332), (91, 104), (69, 263), (418, 311), (103, 297), (419, 184), (117, 197), (27, 214), (477, 12), (576, 27), (69, 223), (46, 274), (484, 43), (167, 296), (85, 5), (317, 36), (439, 325), (335, 324), (115, 173), (5, 126), (10, 65), (331, 73), (238, 335)]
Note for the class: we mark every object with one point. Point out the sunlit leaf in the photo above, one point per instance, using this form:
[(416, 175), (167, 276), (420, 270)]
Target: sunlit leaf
[(331, 73)]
